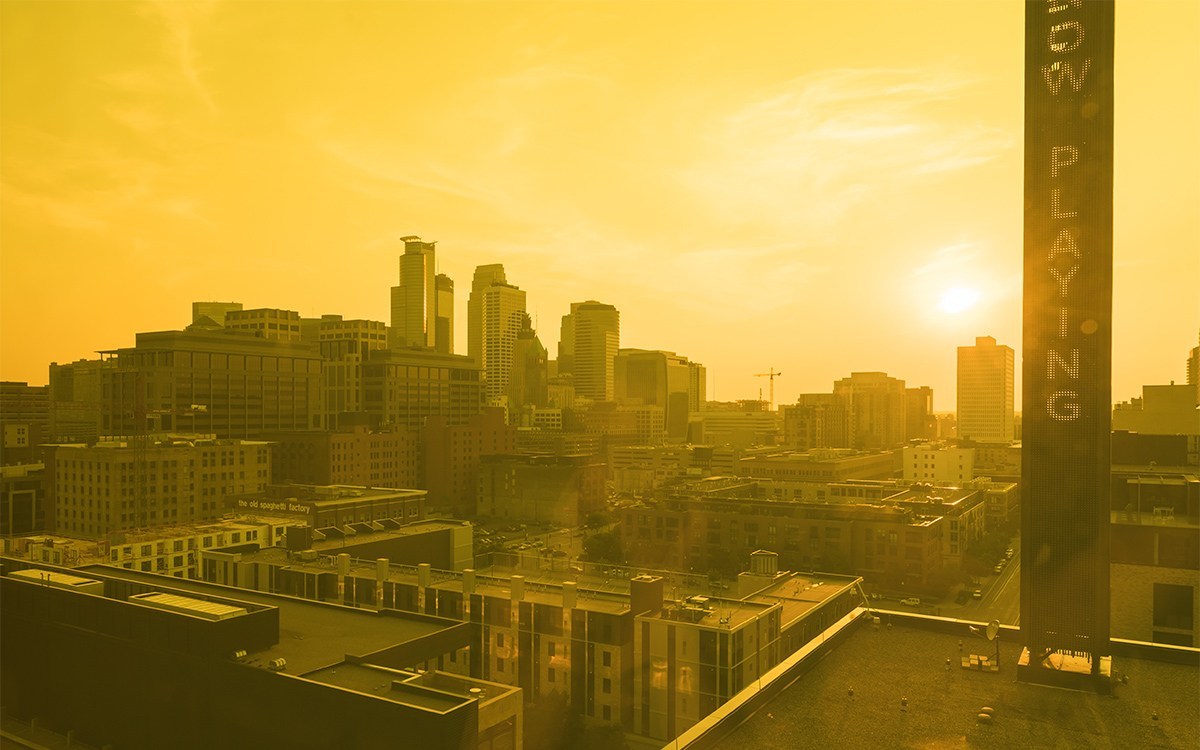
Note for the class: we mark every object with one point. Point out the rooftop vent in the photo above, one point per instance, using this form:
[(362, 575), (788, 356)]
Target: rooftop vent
[(185, 605)]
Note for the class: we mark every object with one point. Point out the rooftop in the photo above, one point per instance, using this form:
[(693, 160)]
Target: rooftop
[(885, 665), (335, 494), (311, 634)]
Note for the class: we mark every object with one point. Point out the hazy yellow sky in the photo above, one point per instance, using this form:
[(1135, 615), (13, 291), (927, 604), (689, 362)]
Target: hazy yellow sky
[(794, 185)]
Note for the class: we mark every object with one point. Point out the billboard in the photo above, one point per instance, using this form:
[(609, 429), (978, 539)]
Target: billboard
[(1067, 332)]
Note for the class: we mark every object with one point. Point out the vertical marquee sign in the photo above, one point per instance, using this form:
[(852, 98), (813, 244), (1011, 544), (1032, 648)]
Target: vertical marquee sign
[(1067, 339)]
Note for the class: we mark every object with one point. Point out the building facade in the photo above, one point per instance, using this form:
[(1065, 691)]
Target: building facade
[(93, 491), (345, 346), (985, 391), (24, 421), (940, 464), (595, 332), (875, 410), (502, 317), (415, 299), (75, 400), (657, 378), (403, 388), (230, 383), (563, 490), (266, 322), (348, 456)]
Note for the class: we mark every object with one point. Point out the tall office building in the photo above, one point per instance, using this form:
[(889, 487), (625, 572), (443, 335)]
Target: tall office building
[(595, 330), (444, 321), (415, 300), (874, 405), (503, 310), (565, 364), (527, 385), (656, 378), (1193, 370), (985, 391), (919, 420), (485, 276), (75, 400), (219, 381), (697, 387), (345, 346)]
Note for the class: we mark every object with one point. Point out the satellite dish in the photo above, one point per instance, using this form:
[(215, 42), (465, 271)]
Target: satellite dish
[(993, 628)]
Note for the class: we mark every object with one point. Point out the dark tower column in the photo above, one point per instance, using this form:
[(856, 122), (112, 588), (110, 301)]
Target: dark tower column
[(1067, 403)]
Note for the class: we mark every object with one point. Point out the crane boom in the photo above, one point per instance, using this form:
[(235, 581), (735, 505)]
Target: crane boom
[(771, 375)]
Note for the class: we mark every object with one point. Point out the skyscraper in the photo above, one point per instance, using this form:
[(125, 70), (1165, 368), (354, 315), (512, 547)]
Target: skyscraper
[(444, 321), (527, 383), (415, 300), (485, 276), (596, 330), (985, 391), (503, 311), (656, 378)]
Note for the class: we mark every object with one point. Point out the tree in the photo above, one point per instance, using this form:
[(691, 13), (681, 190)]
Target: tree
[(604, 547)]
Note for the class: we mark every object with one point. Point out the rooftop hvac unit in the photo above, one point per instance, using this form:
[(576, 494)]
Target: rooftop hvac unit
[(57, 580), (277, 665), (185, 605)]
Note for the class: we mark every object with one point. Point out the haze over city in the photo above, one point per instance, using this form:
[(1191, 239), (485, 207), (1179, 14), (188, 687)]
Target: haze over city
[(814, 187)]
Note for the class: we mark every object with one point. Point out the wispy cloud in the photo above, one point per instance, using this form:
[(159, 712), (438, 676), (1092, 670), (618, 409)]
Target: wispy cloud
[(804, 153), (180, 20), (956, 258)]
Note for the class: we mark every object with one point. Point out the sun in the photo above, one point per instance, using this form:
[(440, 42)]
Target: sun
[(958, 299)]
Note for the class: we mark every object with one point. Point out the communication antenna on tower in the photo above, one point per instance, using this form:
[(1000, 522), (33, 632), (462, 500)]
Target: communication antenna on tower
[(771, 375)]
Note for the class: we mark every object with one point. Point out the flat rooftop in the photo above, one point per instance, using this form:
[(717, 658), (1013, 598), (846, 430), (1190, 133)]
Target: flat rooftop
[(886, 665), (799, 594), (311, 634), (380, 682)]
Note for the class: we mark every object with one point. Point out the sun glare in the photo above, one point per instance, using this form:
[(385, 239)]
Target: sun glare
[(958, 299)]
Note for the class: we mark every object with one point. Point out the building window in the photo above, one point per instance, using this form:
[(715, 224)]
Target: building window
[(606, 713), (606, 686), (606, 658), (1173, 606)]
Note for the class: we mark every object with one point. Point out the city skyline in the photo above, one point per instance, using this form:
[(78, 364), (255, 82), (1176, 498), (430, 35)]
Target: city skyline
[(704, 186)]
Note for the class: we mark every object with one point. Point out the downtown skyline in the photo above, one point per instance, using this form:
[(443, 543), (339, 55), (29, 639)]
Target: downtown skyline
[(796, 202)]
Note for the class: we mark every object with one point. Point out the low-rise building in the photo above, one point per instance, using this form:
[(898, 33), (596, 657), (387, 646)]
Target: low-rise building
[(713, 524), (201, 665), (562, 490), (654, 652), (332, 505), (22, 499), (140, 482), (352, 456), (826, 465), (938, 463)]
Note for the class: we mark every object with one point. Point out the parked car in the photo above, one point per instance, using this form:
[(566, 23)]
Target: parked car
[(999, 567), (978, 594), (911, 601)]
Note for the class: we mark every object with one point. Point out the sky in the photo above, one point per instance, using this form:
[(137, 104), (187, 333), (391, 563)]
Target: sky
[(814, 187)]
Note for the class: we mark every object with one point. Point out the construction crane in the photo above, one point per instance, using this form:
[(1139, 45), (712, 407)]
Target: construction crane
[(771, 376)]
